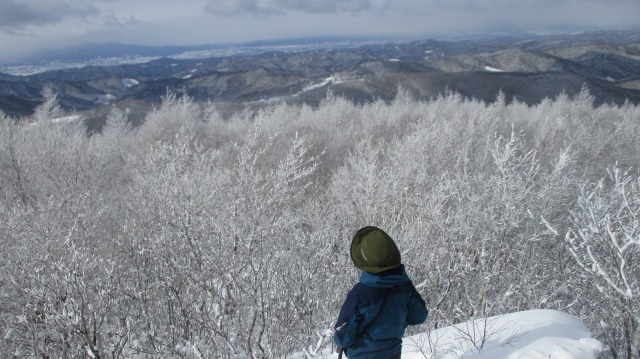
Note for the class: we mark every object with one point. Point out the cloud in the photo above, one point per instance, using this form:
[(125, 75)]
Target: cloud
[(238, 7), (18, 14), (467, 16), (111, 20), (326, 6), (31, 25), (283, 7)]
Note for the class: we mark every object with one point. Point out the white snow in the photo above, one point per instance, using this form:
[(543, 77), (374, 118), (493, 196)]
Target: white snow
[(492, 69), (327, 81), (534, 334), (60, 120), (105, 99), (66, 119), (129, 83), (26, 70)]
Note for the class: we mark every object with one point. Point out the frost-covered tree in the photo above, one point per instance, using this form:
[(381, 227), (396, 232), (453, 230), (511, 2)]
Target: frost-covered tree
[(14, 172), (165, 121), (604, 240), (202, 235), (49, 109)]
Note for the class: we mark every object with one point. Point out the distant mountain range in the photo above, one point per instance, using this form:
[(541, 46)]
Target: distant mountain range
[(526, 68)]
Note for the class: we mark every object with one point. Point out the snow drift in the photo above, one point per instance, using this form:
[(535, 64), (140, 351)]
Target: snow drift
[(530, 334)]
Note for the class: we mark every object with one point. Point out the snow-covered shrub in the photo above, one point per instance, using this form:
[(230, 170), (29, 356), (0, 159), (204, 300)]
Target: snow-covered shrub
[(195, 235), (162, 123), (604, 240), (13, 169)]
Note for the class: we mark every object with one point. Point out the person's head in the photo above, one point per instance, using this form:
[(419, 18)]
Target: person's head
[(374, 251)]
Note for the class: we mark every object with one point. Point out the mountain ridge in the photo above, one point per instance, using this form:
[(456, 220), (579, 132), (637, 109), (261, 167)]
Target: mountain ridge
[(525, 68)]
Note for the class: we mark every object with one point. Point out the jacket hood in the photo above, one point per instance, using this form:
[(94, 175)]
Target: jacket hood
[(384, 280)]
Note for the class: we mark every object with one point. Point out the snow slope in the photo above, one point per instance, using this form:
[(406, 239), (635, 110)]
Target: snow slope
[(534, 334)]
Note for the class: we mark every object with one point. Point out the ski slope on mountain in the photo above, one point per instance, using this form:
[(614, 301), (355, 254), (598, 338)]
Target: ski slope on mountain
[(534, 334)]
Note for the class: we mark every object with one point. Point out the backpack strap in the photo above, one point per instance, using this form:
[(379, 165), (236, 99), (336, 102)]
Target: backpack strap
[(342, 350), (384, 301)]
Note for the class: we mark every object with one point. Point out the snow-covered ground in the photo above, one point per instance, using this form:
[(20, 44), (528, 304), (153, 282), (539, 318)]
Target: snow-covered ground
[(327, 81), (61, 120), (534, 334), (31, 69), (492, 69), (215, 51), (129, 83)]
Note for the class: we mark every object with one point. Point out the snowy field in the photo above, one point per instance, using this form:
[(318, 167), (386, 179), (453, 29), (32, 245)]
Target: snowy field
[(534, 334)]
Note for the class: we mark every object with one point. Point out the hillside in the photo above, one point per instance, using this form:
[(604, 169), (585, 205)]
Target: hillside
[(525, 67)]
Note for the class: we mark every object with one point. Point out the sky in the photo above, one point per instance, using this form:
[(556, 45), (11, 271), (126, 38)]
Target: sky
[(29, 26)]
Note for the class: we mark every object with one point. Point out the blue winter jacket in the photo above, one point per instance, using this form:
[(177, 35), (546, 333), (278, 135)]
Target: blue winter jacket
[(366, 336)]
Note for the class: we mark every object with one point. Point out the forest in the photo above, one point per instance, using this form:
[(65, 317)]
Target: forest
[(198, 235)]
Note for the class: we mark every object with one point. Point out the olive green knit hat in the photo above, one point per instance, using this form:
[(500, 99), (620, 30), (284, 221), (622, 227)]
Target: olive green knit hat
[(372, 250)]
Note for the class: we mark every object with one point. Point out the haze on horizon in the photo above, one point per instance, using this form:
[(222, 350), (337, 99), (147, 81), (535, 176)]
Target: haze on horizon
[(30, 26)]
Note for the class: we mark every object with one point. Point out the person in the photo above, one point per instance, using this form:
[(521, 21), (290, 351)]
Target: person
[(378, 309)]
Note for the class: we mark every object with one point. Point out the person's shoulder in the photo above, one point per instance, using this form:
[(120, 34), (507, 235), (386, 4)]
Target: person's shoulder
[(366, 295), (363, 289)]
